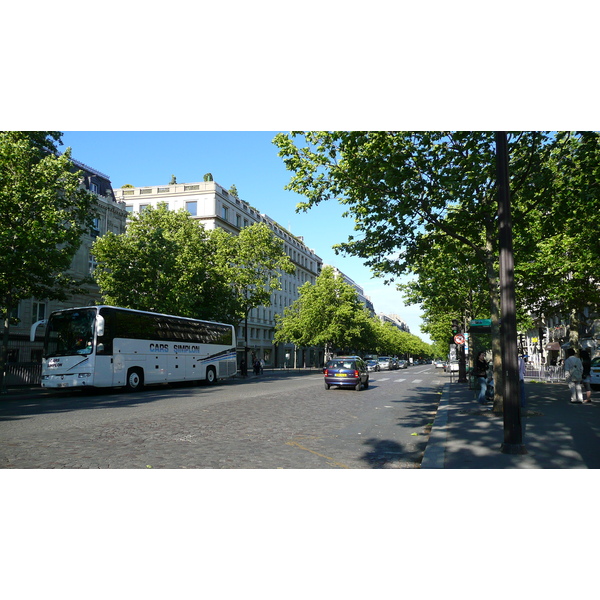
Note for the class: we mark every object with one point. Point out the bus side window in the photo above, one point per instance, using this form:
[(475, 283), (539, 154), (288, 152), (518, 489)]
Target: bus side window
[(105, 342)]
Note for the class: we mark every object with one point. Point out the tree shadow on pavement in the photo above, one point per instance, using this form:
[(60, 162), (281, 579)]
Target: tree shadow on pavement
[(384, 453)]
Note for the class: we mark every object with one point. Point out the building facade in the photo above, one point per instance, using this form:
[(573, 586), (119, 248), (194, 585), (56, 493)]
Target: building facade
[(395, 320), (359, 290), (213, 206), (24, 356)]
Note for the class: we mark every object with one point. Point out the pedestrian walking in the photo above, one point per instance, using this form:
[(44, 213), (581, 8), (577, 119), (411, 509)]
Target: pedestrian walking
[(480, 371), (573, 376), (586, 386)]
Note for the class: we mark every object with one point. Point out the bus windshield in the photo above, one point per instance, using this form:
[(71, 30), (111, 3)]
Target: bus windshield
[(70, 333)]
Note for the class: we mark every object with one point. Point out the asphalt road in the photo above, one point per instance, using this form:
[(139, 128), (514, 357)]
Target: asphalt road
[(278, 420)]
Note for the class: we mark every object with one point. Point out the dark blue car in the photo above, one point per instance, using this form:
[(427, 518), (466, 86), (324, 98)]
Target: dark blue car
[(346, 371)]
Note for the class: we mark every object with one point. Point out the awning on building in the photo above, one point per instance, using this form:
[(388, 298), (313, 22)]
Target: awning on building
[(553, 346), (585, 344)]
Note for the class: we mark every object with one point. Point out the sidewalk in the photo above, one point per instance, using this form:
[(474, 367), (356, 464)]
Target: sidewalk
[(556, 434)]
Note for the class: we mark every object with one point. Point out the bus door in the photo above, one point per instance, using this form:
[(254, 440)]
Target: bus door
[(103, 367), (103, 373)]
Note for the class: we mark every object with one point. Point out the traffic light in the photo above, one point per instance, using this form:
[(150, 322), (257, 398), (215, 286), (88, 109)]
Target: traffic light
[(455, 327)]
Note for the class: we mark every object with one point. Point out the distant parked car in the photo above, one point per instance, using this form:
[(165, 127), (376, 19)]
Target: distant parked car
[(347, 371), (373, 365), (439, 364), (385, 363), (402, 364)]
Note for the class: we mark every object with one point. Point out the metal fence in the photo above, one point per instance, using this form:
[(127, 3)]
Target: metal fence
[(24, 364), (545, 373), (23, 374)]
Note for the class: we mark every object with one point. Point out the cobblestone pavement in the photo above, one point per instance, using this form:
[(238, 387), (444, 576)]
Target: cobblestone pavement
[(270, 422)]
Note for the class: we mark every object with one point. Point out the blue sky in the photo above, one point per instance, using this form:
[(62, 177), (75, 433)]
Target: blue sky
[(247, 159)]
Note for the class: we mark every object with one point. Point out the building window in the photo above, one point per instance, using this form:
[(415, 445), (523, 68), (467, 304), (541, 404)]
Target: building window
[(238, 221), (92, 264), (94, 188), (128, 192), (143, 207), (38, 312), (162, 190), (191, 188), (225, 213), (95, 232), (192, 208), (129, 208), (14, 313), (146, 191)]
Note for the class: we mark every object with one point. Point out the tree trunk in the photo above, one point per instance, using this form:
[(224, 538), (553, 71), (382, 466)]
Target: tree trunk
[(4, 348)]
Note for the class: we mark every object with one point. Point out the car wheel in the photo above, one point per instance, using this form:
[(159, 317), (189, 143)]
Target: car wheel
[(327, 386), (358, 386), (366, 383)]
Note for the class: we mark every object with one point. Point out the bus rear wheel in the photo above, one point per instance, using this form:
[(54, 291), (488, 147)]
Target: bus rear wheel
[(135, 380), (211, 375)]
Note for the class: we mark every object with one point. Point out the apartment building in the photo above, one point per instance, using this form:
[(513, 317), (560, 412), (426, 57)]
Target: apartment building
[(359, 290), (213, 206), (24, 357)]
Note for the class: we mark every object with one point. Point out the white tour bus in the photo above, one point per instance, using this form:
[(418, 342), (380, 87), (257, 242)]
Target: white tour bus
[(106, 346)]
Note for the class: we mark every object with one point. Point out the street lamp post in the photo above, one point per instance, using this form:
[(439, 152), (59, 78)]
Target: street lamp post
[(513, 433)]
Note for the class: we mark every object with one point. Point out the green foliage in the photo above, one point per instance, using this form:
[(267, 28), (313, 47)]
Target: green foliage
[(44, 212), (561, 276), (425, 203), (168, 263), (233, 191), (251, 262), (161, 263), (327, 314)]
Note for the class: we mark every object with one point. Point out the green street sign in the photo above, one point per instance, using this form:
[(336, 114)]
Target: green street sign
[(480, 326), (480, 323)]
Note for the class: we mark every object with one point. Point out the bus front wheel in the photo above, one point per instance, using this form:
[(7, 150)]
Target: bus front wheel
[(135, 380), (211, 375)]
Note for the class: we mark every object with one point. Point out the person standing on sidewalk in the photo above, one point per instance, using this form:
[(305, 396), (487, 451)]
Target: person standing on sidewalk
[(573, 376), (522, 360), (480, 371)]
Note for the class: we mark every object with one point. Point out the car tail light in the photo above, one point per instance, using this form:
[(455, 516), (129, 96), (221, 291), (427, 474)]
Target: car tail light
[(326, 372), (356, 374)]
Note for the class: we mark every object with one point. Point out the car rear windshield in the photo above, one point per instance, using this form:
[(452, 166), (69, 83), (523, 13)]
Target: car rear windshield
[(341, 364)]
